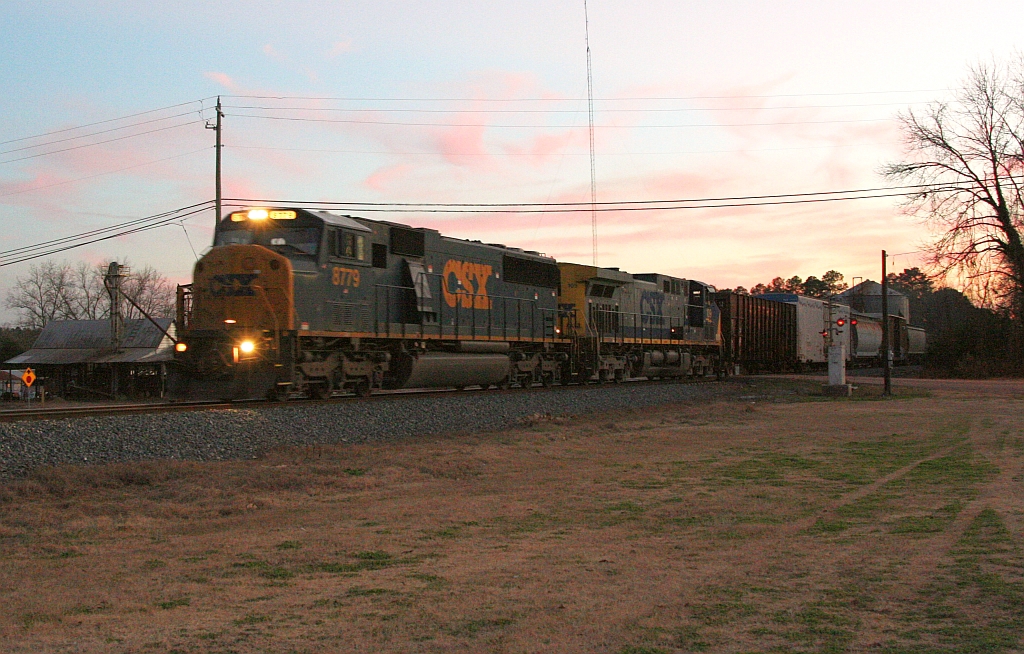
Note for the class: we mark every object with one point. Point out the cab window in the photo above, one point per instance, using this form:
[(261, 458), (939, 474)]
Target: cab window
[(348, 245)]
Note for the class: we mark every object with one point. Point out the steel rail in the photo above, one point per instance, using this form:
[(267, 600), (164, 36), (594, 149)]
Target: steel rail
[(58, 413)]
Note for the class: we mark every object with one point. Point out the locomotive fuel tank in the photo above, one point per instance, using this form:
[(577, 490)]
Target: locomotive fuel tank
[(446, 369)]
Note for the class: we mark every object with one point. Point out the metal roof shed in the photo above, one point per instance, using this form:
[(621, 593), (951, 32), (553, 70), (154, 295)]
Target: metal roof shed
[(64, 342)]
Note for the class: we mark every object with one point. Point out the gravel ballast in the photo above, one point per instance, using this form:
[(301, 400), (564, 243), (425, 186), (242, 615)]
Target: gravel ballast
[(245, 433)]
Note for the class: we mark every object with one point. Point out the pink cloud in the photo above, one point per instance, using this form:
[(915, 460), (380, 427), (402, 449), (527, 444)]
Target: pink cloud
[(385, 177), (462, 145), (224, 80), (339, 48)]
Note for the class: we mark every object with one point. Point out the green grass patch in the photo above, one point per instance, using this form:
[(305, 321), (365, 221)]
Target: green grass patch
[(359, 591), (265, 569), (173, 603), (368, 560), (975, 605), (827, 527)]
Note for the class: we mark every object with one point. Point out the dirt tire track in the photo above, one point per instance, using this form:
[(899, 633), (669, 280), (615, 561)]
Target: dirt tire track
[(923, 559), (864, 491)]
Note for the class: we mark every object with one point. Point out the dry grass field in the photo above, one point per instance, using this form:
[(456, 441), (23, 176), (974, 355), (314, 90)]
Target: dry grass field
[(775, 522)]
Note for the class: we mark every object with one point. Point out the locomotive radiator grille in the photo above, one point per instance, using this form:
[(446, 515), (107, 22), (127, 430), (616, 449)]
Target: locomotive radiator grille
[(349, 316)]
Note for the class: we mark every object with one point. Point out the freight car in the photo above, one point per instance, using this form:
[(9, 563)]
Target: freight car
[(787, 332), (909, 344), (298, 301), (758, 335)]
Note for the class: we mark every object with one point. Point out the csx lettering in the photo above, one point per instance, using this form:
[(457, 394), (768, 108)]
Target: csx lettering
[(345, 277), (236, 285), (465, 283), (651, 302)]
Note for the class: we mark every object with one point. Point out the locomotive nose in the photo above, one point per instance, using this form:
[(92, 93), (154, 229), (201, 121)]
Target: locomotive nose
[(242, 286)]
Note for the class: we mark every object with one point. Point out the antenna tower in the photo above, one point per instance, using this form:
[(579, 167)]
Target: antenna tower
[(590, 106)]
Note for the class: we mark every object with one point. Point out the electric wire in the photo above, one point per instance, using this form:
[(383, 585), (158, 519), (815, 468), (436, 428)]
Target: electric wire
[(104, 131), (568, 154), (903, 190), (495, 125), (54, 246), (45, 248), (621, 99), (88, 145), (108, 120), (108, 172), (599, 209), (564, 111), (38, 255)]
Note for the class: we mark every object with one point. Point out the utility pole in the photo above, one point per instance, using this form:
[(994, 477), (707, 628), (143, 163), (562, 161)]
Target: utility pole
[(217, 126), (886, 335)]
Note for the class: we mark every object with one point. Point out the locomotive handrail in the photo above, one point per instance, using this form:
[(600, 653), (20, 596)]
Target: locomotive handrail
[(641, 331)]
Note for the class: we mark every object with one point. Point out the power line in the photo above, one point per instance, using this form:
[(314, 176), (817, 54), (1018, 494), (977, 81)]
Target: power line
[(495, 125), (55, 246), (88, 145), (569, 154), (567, 111), (109, 172), (104, 131), (621, 99), (103, 122), (585, 210), (899, 190)]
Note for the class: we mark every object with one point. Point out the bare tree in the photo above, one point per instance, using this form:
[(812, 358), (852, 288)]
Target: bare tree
[(90, 298), (62, 291), (969, 155), (46, 293), (151, 291)]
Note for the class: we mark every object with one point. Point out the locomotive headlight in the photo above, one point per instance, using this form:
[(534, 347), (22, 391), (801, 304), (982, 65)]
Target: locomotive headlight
[(258, 214), (180, 347), (247, 347)]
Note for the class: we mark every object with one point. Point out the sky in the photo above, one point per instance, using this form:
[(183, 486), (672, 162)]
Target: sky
[(484, 102)]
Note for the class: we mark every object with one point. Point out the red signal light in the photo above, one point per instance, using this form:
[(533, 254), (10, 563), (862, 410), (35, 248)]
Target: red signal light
[(841, 322), (853, 321)]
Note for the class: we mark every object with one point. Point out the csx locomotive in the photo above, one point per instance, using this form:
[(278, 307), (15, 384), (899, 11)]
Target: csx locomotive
[(293, 301)]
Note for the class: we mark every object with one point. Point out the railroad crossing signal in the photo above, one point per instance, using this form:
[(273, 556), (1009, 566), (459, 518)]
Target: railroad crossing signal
[(28, 377)]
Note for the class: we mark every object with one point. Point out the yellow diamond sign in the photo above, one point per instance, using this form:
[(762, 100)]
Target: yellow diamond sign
[(28, 377)]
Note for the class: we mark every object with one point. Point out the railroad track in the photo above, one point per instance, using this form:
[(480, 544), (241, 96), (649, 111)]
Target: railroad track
[(59, 412)]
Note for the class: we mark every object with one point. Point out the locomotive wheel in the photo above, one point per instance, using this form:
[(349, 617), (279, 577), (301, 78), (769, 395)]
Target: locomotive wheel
[(363, 389), (320, 391), (279, 393), (547, 379)]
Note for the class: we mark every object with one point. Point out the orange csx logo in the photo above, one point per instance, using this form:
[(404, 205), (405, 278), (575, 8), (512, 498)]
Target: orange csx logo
[(466, 282)]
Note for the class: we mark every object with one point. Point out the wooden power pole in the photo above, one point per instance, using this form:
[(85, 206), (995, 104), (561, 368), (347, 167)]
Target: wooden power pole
[(886, 332), (217, 127)]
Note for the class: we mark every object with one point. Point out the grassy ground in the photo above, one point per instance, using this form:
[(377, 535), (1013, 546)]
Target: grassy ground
[(776, 522)]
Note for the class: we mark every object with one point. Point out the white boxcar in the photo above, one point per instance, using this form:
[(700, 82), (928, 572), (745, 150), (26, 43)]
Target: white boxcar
[(814, 318)]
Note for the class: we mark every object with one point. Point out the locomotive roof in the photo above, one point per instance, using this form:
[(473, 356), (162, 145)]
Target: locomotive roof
[(340, 221)]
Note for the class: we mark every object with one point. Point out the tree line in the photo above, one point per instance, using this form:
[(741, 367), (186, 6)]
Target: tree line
[(75, 291)]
